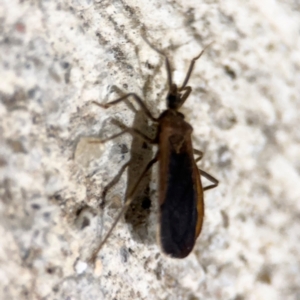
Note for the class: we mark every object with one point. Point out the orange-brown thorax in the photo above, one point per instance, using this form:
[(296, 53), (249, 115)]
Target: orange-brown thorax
[(174, 135)]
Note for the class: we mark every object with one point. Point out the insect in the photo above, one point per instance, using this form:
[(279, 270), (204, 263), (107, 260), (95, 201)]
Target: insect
[(181, 206)]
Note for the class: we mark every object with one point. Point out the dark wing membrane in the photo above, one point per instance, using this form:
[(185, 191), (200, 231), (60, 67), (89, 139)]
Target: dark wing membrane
[(179, 210)]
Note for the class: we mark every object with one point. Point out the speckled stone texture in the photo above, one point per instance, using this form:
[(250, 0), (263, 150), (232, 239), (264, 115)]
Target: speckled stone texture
[(56, 57)]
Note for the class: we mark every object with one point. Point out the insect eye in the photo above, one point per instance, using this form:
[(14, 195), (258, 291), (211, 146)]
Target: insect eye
[(172, 101)]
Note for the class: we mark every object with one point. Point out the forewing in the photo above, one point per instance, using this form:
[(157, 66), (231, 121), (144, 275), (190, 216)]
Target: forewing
[(179, 210)]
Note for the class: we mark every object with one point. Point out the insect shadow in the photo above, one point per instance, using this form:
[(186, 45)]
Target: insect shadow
[(141, 153)]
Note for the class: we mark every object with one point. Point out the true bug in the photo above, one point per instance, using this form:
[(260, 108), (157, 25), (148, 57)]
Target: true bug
[(180, 189)]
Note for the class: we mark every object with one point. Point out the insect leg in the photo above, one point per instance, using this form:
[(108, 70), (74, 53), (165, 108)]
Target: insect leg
[(123, 98), (99, 141), (210, 178), (112, 183), (124, 208), (203, 173), (134, 131), (198, 152), (126, 129), (108, 187)]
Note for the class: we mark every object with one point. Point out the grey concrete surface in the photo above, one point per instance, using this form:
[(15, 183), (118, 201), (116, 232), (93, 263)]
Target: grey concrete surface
[(57, 56)]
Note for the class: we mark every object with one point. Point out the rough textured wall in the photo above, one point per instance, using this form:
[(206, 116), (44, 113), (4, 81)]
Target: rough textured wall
[(55, 57)]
